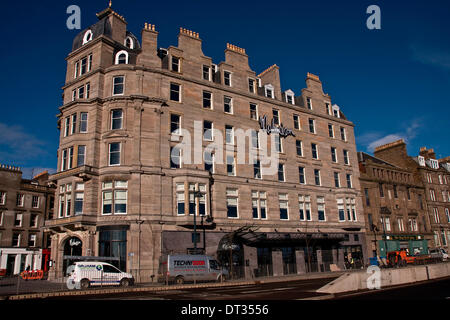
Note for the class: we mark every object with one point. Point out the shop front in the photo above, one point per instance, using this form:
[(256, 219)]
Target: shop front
[(413, 244)]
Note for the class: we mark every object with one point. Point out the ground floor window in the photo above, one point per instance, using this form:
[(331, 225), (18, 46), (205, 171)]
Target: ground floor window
[(113, 243)]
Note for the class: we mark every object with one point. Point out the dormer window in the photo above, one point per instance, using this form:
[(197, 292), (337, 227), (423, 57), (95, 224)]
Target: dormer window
[(336, 112), (309, 103), (421, 161), (129, 43), (227, 78), (87, 36), (175, 66), (327, 107), (289, 96), (268, 88), (122, 57), (206, 73), (434, 164), (251, 85)]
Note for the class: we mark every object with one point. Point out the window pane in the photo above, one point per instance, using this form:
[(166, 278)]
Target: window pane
[(120, 201), (118, 85)]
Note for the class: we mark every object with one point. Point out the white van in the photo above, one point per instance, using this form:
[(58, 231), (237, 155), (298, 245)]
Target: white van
[(179, 268), (93, 273)]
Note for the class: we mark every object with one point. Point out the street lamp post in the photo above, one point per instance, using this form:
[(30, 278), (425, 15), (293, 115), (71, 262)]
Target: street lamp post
[(208, 219)]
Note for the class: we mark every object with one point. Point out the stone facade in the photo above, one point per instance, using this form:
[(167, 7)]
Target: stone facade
[(394, 207), (24, 206), (434, 175), (115, 147)]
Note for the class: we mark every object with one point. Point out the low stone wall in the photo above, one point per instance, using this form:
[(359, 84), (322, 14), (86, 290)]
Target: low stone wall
[(354, 281)]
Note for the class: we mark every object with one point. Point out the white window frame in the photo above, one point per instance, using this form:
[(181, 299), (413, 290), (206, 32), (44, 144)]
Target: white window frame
[(111, 119), (38, 201), (421, 161), (336, 108), (232, 196), (338, 179), (232, 135), (309, 103), (118, 54), (321, 203), (66, 126), (32, 237), (2, 198), (254, 85), (212, 130), (209, 72), (230, 104), (109, 154), (278, 117), (320, 177), (313, 125), (304, 201), (432, 195), (179, 91), (269, 88), (260, 197), (131, 43), (334, 154), (17, 215), (233, 174), (342, 130), (316, 149), (284, 198), (256, 110), (296, 118), (20, 203), (347, 175), (113, 86), (178, 65), (436, 215), (81, 121), (340, 206), (346, 157), (180, 193), (291, 94), (284, 172), (88, 35), (230, 78)]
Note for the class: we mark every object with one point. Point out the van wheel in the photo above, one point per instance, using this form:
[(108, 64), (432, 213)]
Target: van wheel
[(124, 282), (84, 284), (179, 280)]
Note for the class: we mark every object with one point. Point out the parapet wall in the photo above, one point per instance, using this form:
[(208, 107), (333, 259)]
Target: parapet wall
[(354, 281)]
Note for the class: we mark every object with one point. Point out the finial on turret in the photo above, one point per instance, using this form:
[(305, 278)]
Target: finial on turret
[(110, 3)]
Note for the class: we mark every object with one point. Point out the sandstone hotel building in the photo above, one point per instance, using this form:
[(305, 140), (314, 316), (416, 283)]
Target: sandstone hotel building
[(121, 196)]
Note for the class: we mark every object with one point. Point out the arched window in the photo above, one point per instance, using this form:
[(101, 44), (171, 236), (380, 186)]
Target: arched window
[(87, 36), (129, 43), (121, 57)]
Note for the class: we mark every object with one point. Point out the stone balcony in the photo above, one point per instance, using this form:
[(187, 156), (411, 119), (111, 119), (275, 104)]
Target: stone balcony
[(83, 172), (79, 222)]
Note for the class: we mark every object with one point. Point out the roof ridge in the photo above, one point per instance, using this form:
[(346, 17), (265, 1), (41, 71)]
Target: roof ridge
[(268, 69)]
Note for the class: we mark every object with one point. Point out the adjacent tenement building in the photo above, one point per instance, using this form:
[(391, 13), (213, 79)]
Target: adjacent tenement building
[(394, 206), (24, 206), (434, 175), (128, 192)]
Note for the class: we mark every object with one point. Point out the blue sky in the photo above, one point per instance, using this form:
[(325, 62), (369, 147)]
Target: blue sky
[(392, 83)]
